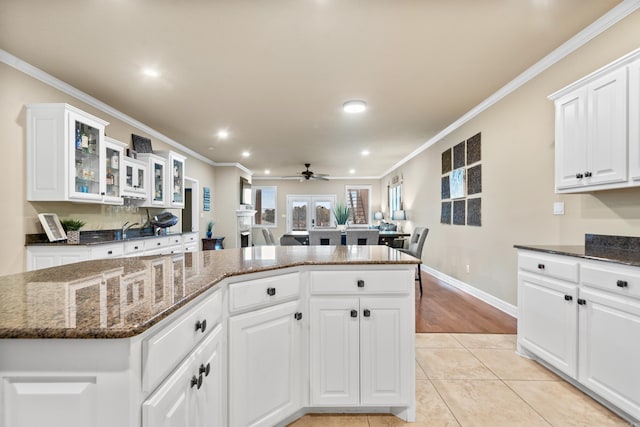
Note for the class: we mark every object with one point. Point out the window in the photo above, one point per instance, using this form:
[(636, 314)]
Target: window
[(265, 201), (359, 202), (305, 212), (395, 195)]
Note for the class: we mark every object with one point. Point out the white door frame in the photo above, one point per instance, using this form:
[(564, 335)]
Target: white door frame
[(310, 199), (195, 202)]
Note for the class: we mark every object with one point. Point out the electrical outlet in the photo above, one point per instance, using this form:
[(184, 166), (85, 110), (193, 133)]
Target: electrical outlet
[(558, 208), (467, 268)]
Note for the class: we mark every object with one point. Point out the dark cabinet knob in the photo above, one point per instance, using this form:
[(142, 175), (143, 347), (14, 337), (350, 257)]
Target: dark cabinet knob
[(102, 194), (109, 252), (354, 313), (579, 176), (587, 174), (568, 298), (582, 301), (622, 283), (196, 381), (271, 291), (135, 247), (366, 312), (361, 283), (158, 243), (205, 369), (201, 326), (541, 266), (298, 316)]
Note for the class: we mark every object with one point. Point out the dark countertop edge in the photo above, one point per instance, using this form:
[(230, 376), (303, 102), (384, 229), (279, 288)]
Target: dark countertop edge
[(579, 252), (72, 333)]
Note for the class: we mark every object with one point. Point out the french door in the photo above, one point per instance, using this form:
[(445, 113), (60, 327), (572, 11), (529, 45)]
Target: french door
[(305, 212)]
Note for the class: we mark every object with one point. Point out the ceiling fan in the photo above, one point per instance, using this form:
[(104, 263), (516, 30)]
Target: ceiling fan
[(307, 174)]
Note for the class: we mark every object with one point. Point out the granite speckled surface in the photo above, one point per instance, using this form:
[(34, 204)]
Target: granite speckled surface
[(120, 298), (616, 249)]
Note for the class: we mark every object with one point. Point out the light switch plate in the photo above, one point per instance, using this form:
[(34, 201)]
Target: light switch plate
[(558, 208)]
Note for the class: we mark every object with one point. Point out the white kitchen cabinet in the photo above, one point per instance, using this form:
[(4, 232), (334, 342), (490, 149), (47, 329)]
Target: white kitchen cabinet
[(65, 154), (135, 178), (174, 178), (113, 177), (157, 170), (265, 351), (46, 256), (634, 120), (586, 329), (192, 395), (360, 352), (591, 133)]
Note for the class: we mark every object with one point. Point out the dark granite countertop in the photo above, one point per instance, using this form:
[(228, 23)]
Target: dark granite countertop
[(96, 237), (119, 298), (617, 249)]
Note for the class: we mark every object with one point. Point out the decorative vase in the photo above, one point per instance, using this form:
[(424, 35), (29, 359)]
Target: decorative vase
[(209, 234), (342, 227), (73, 237)]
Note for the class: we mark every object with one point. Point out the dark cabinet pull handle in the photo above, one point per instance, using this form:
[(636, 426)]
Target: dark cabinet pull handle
[(361, 283), (271, 291), (354, 313), (109, 252), (201, 326), (579, 176), (196, 381), (581, 301), (587, 174), (135, 247), (366, 312), (568, 298), (102, 194), (541, 266), (622, 283), (205, 369), (298, 316)]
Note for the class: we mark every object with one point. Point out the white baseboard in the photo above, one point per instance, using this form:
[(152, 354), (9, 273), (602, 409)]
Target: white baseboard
[(510, 309)]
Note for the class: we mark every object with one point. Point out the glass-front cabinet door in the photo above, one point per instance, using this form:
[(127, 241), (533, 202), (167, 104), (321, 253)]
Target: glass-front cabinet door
[(157, 182), (135, 178), (177, 180), (113, 175), (86, 147)]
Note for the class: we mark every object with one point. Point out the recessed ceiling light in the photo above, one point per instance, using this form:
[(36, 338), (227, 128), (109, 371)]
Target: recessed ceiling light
[(352, 171), (267, 171), (365, 152), (246, 154), (150, 72), (223, 134), (354, 106)]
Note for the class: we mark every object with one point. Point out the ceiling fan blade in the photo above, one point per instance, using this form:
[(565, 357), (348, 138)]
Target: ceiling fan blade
[(320, 177)]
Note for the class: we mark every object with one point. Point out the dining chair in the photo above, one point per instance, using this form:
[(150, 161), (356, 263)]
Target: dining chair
[(416, 244), (325, 237), (357, 236), (268, 237)]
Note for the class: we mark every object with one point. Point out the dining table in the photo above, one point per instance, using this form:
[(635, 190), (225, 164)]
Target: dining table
[(393, 239)]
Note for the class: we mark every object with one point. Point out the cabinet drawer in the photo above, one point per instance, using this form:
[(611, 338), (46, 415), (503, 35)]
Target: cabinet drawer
[(107, 251), (155, 243), (620, 279), (190, 238), (263, 292), (358, 282), (563, 268), (134, 247), (163, 351), (175, 240)]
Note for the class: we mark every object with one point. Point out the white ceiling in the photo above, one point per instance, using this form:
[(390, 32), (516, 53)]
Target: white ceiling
[(275, 73)]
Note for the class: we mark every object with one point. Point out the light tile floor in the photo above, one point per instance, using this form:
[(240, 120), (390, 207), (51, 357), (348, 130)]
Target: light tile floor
[(479, 380)]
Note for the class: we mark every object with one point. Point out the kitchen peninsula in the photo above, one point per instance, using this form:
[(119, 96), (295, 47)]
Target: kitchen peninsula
[(254, 336)]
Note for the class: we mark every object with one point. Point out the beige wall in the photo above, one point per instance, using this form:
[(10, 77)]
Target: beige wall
[(225, 203), (19, 217), (518, 180), (312, 187)]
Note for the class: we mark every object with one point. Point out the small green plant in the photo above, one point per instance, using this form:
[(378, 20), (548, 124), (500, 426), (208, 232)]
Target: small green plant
[(72, 224), (210, 225), (341, 213)]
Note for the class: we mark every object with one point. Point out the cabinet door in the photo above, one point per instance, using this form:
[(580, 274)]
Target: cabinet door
[(171, 404), (334, 340), (386, 353), (175, 181), (610, 348), (607, 129), (264, 361), (158, 197), (547, 320), (208, 408), (113, 177), (634, 120), (86, 166), (571, 150)]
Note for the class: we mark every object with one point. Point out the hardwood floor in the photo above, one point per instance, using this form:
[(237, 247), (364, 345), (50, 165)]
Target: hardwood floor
[(443, 308)]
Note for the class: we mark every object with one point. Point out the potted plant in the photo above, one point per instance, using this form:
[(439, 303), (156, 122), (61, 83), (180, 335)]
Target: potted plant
[(210, 225), (72, 228), (341, 214)]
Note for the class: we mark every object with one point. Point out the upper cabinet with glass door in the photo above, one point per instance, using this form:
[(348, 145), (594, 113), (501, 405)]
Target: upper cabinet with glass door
[(157, 177), (135, 178), (65, 155), (174, 180), (113, 171)]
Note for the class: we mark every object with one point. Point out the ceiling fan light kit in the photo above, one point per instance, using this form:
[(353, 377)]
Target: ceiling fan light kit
[(308, 174)]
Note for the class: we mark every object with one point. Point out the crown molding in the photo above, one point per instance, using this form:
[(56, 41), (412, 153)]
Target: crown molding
[(235, 165), (596, 28)]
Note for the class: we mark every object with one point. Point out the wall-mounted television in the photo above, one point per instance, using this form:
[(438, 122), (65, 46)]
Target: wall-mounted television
[(245, 191)]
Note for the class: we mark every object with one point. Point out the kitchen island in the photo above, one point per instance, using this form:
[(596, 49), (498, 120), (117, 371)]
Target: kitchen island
[(254, 336)]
